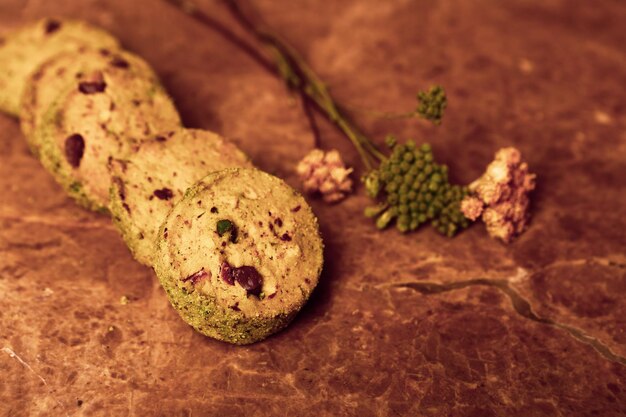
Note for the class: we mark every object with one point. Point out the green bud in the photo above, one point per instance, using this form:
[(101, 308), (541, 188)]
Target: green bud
[(372, 183), (403, 209), (403, 224), (390, 141), (374, 211), (408, 157), (384, 219)]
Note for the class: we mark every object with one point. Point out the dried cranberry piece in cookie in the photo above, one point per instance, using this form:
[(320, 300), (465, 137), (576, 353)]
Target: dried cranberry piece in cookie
[(92, 87), (163, 194), (249, 278), (74, 149)]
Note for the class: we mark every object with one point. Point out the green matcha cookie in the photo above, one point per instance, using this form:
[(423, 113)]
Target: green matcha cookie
[(239, 255), (22, 52), (154, 176), (112, 105)]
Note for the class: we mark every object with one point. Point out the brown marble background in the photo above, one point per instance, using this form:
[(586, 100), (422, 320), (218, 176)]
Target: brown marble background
[(415, 325)]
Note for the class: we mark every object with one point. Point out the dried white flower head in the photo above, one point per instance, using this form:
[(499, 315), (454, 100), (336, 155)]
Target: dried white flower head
[(325, 172), (500, 195)]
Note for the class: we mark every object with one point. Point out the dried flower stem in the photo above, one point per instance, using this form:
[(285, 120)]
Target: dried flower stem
[(294, 70)]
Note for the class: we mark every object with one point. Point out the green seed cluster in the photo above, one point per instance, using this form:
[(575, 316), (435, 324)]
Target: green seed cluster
[(417, 191), (432, 104)]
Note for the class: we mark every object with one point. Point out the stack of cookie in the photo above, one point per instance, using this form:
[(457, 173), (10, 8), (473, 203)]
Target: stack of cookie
[(237, 250)]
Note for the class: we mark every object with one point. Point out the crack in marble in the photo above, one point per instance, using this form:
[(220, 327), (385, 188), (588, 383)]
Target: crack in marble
[(609, 261), (25, 364), (521, 307)]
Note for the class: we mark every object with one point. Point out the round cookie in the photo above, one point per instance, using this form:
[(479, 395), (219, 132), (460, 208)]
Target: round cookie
[(23, 51), (102, 113), (239, 255), (154, 176)]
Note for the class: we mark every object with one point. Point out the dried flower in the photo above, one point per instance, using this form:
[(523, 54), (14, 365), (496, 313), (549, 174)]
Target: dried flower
[(500, 195), (325, 172)]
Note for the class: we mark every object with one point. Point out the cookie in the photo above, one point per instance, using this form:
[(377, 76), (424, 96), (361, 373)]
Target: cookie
[(51, 77), (102, 113), (154, 176), (23, 51), (239, 255)]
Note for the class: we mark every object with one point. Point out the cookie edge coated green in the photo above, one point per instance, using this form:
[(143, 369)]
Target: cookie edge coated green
[(201, 312)]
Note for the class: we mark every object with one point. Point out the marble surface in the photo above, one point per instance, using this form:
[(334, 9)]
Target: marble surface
[(415, 325)]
